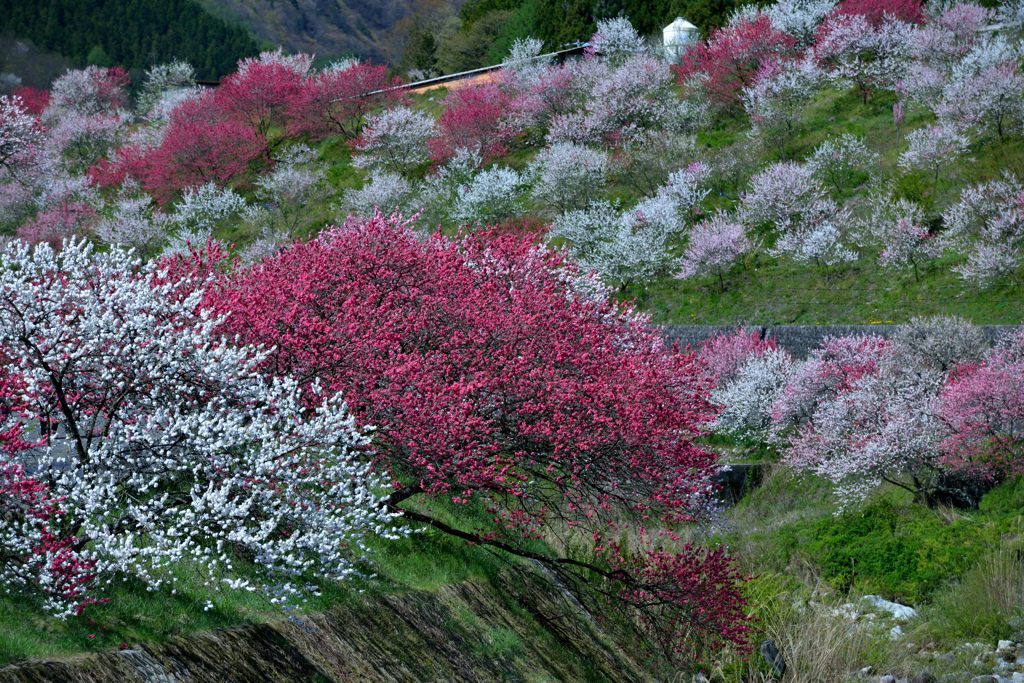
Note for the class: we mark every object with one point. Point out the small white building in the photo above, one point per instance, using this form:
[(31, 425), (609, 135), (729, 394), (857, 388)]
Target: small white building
[(677, 36)]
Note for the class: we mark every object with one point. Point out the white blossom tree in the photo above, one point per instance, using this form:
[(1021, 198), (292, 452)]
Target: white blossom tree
[(745, 400), (395, 140), (988, 223), (20, 134), (493, 196), (854, 51), (567, 176), (165, 444), (198, 212), (616, 39), (781, 89), (985, 89), (839, 160), (934, 148)]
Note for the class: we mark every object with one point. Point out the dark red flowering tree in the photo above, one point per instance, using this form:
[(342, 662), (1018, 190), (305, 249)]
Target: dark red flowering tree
[(472, 119), (494, 383), (336, 102), (260, 95), (731, 56), (199, 146), (910, 11), (33, 99)]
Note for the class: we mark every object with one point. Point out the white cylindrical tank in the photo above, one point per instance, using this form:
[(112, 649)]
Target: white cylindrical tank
[(677, 36)]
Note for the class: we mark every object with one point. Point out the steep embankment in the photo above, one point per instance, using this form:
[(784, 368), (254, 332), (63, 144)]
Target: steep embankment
[(522, 628)]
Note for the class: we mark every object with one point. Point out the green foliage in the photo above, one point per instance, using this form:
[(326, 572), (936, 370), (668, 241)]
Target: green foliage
[(888, 546), (903, 552), (469, 48), (132, 33), (558, 22)]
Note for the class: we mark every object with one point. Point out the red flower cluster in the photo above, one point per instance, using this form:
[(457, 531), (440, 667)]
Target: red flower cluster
[(732, 55), (219, 135), (491, 379)]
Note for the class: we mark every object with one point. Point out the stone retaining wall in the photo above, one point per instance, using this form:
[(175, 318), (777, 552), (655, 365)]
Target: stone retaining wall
[(800, 340)]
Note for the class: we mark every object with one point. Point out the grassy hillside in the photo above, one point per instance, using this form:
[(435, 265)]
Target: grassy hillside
[(772, 291), (768, 290)]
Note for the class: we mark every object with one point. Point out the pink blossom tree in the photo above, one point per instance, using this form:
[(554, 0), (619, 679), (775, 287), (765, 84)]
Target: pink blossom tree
[(260, 94), (55, 224), (337, 101), (714, 246), (983, 406), (199, 146), (863, 410), (33, 99), (472, 120), (731, 57), (899, 226), (722, 355)]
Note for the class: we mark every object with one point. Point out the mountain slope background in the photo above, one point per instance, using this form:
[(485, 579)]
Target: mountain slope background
[(373, 30)]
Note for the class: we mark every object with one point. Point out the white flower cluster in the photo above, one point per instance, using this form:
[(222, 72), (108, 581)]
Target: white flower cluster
[(745, 400), (396, 140), (809, 225), (19, 135), (491, 197), (634, 245), (170, 446), (568, 176), (988, 223)]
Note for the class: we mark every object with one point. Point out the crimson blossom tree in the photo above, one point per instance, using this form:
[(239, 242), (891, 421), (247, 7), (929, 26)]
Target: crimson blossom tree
[(34, 99), (494, 381), (732, 55), (875, 11), (336, 101), (263, 89), (200, 146)]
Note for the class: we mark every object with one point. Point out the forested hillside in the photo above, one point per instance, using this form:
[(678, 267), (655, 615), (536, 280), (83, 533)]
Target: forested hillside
[(130, 33)]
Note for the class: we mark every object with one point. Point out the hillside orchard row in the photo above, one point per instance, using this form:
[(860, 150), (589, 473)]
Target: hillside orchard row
[(265, 413)]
